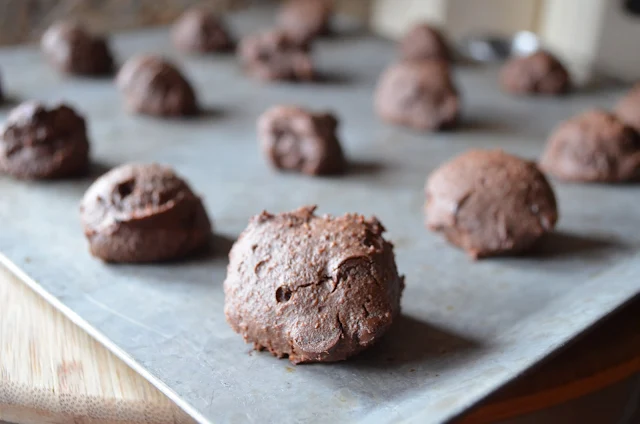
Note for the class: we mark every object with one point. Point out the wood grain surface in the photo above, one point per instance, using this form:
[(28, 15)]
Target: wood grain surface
[(51, 372)]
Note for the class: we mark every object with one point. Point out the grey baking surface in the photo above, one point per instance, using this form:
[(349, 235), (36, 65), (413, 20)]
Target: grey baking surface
[(467, 327)]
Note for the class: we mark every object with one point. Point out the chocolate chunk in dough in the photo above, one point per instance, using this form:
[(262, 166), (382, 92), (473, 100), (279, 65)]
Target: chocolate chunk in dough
[(628, 108), (295, 139), (490, 203), (313, 288), (420, 95), (143, 213), (274, 55), (71, 48), (424, 42), (41, 143), (595, 146), (153, 86), (305, 20), (200, 30), (538, 73)]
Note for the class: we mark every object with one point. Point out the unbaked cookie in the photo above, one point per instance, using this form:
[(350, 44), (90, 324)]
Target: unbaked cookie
[(295, 139), (152, 85), (490, 203), (595, 146), (71, 48), (312, 288), (39, 142), (419, 94), (143, 213), (538, 73)]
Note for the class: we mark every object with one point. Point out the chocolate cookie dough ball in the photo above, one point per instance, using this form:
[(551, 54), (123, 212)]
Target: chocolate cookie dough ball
[(313, 288), (200, 30), (628, 109), (490, 203), (420, 95), (595, 146), (40, 143), (274, 55), (143, 213), (70, 48), (295, 139), (153, 86), (304, 20), (538, 73), (424, 42)]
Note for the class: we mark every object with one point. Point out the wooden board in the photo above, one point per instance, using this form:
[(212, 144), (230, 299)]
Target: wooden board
[(52, 372)]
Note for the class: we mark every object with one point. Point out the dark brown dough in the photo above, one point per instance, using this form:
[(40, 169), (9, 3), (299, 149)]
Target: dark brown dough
[(538, 73), (41, 143), (424, 42), (274, 55), (153, 86), (595, 146), (490, 203), (200, 30), (143, 213), (305, 20), (71, 48), (419, 94), (296, 139), (315, 289), (628, 108)]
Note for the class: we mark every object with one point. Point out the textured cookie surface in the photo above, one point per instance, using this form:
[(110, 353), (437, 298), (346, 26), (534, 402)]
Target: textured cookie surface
[(295, 139), (595, 146), (490, 203), (153, 86), (312, 288), (143, 213), (39, 142)]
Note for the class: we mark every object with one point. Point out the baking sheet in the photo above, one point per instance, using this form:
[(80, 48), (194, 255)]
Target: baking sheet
[(466, 328)]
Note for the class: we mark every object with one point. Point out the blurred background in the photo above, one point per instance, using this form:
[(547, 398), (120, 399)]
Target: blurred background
[(588, 34)]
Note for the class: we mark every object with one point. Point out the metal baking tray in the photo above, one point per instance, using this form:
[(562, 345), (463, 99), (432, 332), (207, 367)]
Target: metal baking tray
[(467, 327)]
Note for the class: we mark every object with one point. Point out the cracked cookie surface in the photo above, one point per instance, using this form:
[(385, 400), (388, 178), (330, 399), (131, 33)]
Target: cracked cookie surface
[(312, 288), (490, 203)]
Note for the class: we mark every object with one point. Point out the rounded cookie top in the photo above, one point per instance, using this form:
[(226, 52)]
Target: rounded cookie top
[(628, 108), (275, 55), (304, 20), (143, 213), (419, 94), (313, 288), (200, 30), (71, 48), (424, 42), (151, 85), (490, 203), (594, 146), (538, 73), (39, 142), (296, 139)]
